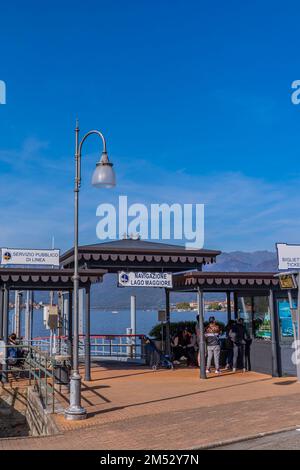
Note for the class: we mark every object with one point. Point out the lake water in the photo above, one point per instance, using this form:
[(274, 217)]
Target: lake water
[(106, 322)]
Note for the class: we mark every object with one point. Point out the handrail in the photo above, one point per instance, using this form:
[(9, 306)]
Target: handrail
[(38, 367)]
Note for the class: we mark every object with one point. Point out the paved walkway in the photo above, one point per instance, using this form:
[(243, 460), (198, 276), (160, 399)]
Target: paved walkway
[(289, 440), (134, 407)]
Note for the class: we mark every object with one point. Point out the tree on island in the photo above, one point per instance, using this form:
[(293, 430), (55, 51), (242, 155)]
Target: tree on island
[(215, 306), (183, 306)]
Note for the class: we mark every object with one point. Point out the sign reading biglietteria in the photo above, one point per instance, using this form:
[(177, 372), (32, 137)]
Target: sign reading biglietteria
[(148, 279), (14, 256), (288, 256)]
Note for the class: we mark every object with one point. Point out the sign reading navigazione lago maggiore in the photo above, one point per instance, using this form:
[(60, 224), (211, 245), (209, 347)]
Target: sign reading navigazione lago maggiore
[(14, 256), (288, 256), (141, 279)]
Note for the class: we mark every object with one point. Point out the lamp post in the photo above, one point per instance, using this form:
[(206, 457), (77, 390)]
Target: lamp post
[(103, 177)]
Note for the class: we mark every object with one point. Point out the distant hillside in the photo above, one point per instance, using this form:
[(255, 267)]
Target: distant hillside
[(107, 295), (262, 261)]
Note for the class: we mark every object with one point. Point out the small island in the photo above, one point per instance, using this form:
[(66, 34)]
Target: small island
[(213, 305)]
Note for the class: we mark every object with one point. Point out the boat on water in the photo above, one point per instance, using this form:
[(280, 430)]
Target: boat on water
[(115, 311)]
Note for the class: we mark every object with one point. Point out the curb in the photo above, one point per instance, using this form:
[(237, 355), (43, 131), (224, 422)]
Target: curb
[(250, 437)]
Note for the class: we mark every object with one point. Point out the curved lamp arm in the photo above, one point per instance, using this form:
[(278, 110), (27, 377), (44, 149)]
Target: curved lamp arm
[(89, 133), (79, 149)]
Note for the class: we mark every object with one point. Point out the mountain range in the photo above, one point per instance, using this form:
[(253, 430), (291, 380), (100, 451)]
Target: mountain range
[(241, 261)]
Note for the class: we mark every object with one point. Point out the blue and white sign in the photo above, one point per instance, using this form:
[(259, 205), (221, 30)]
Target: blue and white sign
[(17, 257), (148, 279)]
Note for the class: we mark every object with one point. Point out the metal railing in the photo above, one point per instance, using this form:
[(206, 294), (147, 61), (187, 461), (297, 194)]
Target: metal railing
[(39, 363), (29, 363), (104, 346), (115, 346)]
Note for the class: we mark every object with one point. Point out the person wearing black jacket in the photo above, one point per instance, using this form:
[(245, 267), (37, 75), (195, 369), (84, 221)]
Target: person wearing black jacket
[(238, 336), (229, 345)]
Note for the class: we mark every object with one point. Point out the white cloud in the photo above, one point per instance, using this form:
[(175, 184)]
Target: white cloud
[(242, 212)]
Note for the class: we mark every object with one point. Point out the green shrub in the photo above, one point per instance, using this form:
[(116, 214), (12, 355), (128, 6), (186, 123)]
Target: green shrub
[(175, 326)]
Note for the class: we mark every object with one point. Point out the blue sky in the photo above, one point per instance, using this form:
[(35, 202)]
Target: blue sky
[(193, 97)]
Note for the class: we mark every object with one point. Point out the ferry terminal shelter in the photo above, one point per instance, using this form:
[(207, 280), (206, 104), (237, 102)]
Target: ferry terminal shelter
[(256, 297)]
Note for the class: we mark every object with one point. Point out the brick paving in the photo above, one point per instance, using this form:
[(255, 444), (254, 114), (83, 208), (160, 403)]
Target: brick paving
[(135, 408)]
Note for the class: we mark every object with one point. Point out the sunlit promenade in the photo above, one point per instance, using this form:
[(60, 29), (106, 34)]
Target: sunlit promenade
[(137, 407)]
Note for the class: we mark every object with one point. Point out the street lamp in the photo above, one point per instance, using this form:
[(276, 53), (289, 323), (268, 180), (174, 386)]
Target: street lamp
[(103, 177)]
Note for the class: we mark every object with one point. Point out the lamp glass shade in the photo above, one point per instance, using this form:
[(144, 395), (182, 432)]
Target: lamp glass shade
[(104, 176)]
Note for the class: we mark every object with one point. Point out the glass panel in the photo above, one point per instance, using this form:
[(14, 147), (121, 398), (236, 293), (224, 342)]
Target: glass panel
[(245, 312), (261, 318), (285, 319)]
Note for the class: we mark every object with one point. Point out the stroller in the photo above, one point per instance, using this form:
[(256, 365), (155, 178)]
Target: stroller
[(157, 358)]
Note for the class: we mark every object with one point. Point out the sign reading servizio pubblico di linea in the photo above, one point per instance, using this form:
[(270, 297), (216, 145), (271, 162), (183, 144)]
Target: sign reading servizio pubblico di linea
[(14, 256), (147, 279)]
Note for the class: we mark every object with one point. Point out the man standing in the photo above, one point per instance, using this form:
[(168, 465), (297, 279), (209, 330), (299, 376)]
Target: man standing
[(212, 338), (238, 336)]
